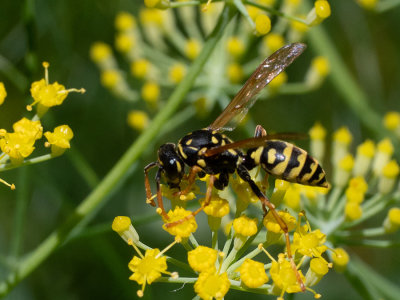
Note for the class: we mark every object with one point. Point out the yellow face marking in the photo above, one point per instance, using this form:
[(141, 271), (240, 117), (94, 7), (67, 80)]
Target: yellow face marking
[(178, 166), (181, 151), (280, 168), (214, 140), (201, 163), (189, 142)]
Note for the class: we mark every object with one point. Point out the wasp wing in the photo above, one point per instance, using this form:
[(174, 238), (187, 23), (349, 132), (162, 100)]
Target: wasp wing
[(266, 71), (254, 142)]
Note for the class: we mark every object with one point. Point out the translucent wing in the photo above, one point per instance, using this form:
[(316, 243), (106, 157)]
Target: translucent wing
[(254, 142), (266, 71)]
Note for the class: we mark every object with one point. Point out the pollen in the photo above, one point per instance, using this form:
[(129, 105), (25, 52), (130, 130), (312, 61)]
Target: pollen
[(138, 120), (202, 259), (263, 24), (347, 163), (3, 93), (252, 273), (343, 136), (366, 149), (391, 169), (386, 146)]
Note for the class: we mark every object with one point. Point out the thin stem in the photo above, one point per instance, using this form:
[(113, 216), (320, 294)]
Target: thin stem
[(89, 206), (28, 162), (384, 5)]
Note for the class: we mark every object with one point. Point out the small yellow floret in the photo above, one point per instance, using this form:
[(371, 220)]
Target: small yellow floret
[(392, 120), (317, 132), (235, 72), (272, 225), (368, 4), (386, 146), (100, 51), (347, 163), (124, 21), (340, 259), (138, 119), (245, 226), (321, 65), (274, 41), (184, 229), (391, 169), (29, 129), (235, 46), (299, 26), (110, 78), (121, 224), (322, 8), (140, 68), (284, 276), (161, 4), (151, 92), (352, 211), (278, 81), (192, 48), (252, 273), (150, 16), (319, 266), (202, 259), (210, 285), (343, 136), (392, 220), (263, 24), (59, 139), (366, 149), (177, 72), (218, 207), (359, 183), (124, 42), (3, 93)]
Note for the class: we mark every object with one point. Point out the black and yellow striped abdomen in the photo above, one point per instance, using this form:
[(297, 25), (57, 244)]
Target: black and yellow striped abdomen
[(286, 161)]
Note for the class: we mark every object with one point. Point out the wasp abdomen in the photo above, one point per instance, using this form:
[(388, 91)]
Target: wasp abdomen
[(286, 161)]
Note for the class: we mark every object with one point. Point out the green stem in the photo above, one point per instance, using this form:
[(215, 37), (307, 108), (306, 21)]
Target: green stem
[(32, 161), (20, 212), (383, 5), (97, 198)]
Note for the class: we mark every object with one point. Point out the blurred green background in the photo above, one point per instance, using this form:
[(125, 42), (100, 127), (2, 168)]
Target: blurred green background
[(93, 264)]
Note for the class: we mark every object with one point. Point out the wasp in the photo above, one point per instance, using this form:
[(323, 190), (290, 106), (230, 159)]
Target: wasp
[(209, 151)]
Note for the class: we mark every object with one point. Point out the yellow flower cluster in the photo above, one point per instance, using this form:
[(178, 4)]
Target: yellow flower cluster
[(17, 145)]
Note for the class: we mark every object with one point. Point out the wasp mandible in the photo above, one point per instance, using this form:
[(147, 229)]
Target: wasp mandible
[(208, 151)]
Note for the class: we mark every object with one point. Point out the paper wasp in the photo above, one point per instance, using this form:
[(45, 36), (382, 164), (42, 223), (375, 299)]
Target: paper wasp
[(208, 151)]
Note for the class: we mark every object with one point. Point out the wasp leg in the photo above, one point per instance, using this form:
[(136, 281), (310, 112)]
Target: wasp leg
[(204, 204), (159, 195), (244, 174), (191, 178), (149, 196), (260, 131)]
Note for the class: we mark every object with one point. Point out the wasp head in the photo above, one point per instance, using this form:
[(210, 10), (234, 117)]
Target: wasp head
[(171, 164)]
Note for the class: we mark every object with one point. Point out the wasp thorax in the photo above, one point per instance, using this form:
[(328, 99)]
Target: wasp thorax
[(171, 164)]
